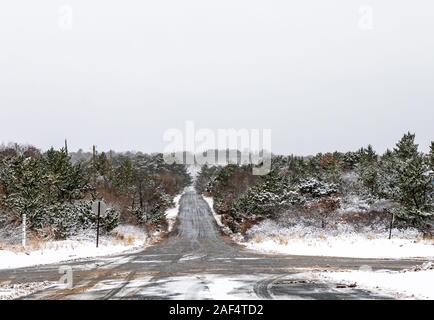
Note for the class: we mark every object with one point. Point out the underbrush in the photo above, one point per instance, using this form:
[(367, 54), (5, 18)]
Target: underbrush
[(305, 228)]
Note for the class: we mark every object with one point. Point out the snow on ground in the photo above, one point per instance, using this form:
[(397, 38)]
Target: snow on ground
[(300, 240), (401, 285), (172, 213), (217, 217), (15, 291), (121, 239)]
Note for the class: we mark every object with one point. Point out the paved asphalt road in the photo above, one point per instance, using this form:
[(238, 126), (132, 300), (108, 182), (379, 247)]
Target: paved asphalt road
[(196, 262)]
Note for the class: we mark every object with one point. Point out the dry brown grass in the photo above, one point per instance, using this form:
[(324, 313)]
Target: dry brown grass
[(130, 239), (2, 245), (258, 238), (246, 225), (428, 237), (33, 243), (117, 200), (322, 237), (282, 240), (127, 239)]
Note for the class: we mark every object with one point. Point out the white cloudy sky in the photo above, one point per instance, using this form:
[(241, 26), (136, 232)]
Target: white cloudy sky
[(123, 72)]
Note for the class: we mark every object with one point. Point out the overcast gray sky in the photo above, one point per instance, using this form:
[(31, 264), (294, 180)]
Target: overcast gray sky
[(119, 73)]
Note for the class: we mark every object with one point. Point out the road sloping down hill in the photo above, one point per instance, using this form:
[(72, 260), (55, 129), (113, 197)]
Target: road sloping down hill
[(196, 261)]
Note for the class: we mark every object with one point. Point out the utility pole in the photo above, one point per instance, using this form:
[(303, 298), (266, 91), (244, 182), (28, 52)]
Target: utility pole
[(24, 230), (111, 164), (97, 223), (94, 164), (392, 219), (66, 147)]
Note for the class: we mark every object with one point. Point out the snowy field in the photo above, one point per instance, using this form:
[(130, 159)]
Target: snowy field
[(123, 238), (298, 240), (270, 237)]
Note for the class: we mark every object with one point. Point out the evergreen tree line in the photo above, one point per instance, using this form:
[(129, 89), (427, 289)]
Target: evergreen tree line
[(57, 193), (320, 185)]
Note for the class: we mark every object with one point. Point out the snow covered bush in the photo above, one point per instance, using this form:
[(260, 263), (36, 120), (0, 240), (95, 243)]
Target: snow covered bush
[(69, 219), (316, 188), (352, 187), (355, 197)]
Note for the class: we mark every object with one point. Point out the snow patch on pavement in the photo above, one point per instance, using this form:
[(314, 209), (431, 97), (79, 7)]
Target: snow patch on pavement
[(189, 257), (121, 239), (200, 287)]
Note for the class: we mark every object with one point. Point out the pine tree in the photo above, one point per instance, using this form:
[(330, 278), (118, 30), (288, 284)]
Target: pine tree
[(123, 175), (103, 165), (431, 176), (367, 169), (431, 157), (406, 148), (26, 191), (64, 181), (413, 182)]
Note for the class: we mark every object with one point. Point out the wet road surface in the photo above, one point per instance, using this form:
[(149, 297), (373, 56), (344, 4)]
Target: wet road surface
[(196, 262)]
